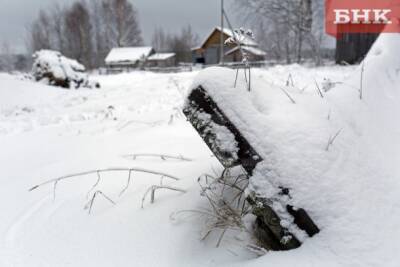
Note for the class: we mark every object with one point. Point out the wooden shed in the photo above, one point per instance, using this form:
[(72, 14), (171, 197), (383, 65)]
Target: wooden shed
[(127, 58), (209, 51), (161, 60)]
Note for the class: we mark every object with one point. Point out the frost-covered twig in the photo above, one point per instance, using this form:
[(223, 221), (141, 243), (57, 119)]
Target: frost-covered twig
[(89, 205), (127, 184), (219, 192), (56, 180), (153, 189), (94, 185), (161, 156)]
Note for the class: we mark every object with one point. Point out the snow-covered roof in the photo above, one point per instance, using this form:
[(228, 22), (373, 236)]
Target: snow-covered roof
[(227, 31), (252, 50), (161, 56), (128, 54)]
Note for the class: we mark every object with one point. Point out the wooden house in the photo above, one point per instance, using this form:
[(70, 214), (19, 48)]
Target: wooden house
[(161, 60), (209, 51), (127, 58)]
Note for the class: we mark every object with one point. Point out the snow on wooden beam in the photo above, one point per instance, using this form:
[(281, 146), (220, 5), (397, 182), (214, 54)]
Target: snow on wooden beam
[(232, 149), (212, 125)]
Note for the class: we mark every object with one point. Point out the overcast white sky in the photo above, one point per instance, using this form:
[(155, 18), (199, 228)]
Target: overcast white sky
[(170, 14)]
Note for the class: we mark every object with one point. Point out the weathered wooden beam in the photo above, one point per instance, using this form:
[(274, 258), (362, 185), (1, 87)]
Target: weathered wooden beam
[(207, 118), (203, 112)]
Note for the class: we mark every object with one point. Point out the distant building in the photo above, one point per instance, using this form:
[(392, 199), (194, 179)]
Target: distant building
[(161, 60), (127, 58), (209, 51)]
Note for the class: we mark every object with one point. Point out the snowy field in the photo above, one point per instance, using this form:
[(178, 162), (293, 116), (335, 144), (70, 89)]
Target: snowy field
[(47, 132)]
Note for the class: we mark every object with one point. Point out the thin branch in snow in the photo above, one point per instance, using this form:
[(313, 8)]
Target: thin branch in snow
[(54, 190), (161, 156), (332, 139), (94, 185), (318, 89), (103, 171), (221, 237), (289, 81), (288, 95), (154, 188), (89, 205), (236, 78), (127, 184)]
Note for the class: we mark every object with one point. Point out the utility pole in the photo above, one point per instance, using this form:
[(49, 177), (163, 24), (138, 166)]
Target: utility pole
[(222, 34)]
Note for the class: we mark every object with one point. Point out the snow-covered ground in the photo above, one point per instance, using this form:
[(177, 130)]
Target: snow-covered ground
[(48, 132)]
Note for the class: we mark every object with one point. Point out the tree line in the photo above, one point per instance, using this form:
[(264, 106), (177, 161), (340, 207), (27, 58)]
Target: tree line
[(289, 30), (87, 30)]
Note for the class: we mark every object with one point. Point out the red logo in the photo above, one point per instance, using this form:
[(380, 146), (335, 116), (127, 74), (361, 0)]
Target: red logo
[(361, 16)]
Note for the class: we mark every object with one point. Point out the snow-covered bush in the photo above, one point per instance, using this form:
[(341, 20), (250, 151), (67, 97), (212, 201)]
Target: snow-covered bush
[(55, 69)]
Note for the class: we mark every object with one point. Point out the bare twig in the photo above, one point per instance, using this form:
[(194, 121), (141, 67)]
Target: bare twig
[(127, 184), (236, 77), (288, 95), (153, 189), (103, 171), (289, 81), (90, 203), (332, 139), (94, 185), (54, 190), (319, 89), (221, 237), (161, 156)]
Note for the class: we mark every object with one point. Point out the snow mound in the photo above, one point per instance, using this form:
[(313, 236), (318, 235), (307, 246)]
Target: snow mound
[(56, 69), (338, 154)]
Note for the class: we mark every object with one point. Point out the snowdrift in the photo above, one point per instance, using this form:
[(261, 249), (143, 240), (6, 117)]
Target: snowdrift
[(338, 154)]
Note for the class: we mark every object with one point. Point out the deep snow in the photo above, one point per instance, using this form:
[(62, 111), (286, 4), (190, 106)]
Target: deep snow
[(351, 191), (349, 187)]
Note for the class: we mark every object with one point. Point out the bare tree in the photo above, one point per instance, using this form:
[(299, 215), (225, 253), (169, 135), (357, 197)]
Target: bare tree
[(122, 24), (100, 45), (182, 44), (86, 30), (290, 25), (78, 32), (39, 33), (159, 40), (6, 57), (58, 27)]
